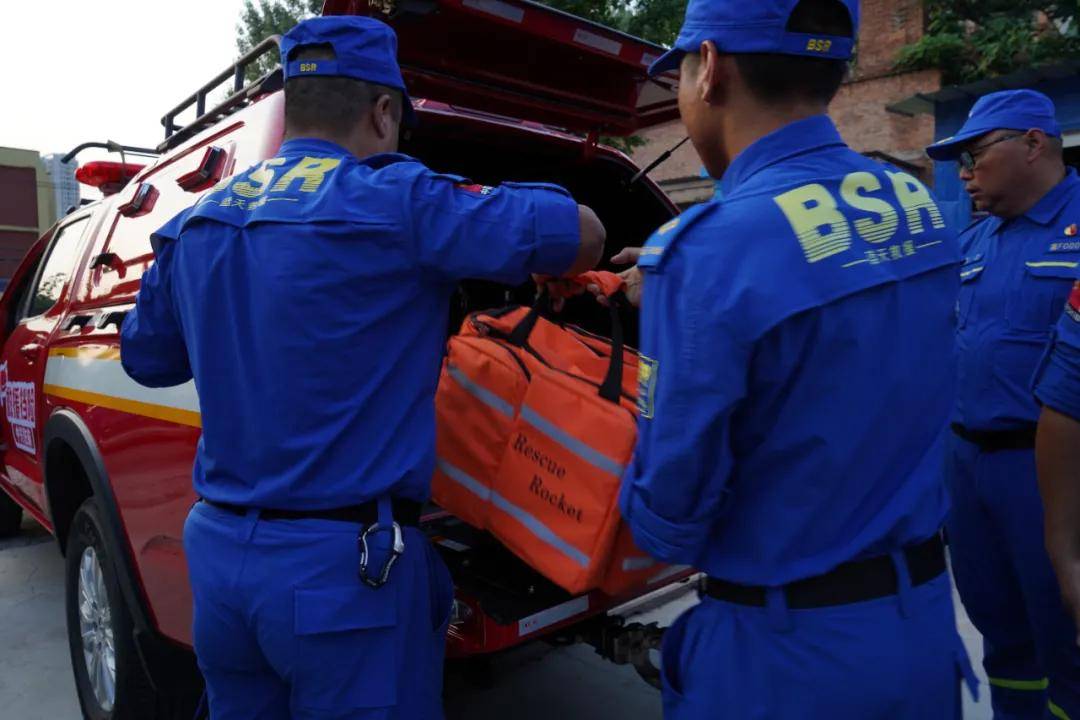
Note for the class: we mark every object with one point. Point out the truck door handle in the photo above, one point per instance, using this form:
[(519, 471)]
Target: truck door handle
[(112, 318), (108, 261), (31, 351), (78, 322)]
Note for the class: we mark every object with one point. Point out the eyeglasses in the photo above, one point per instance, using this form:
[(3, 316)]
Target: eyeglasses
[(969, 158)]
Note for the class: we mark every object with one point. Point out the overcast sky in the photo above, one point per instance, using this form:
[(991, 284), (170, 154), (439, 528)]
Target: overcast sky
[(72, 71)]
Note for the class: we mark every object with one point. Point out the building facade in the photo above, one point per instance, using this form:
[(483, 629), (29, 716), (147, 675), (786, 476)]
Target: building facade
[(27, 205), (65, 187), (860, 108)]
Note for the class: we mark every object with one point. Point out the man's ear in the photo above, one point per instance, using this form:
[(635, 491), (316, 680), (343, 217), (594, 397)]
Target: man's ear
[(1038, 144), (382, 117), (714, 74)]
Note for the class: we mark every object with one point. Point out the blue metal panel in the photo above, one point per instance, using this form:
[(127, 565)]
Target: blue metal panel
[(949, 116)]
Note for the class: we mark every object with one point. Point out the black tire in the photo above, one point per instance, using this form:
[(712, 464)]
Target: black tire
[(10, 516), (133, 696)]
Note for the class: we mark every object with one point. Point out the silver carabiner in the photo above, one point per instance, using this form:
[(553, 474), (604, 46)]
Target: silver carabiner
[(395, 552)]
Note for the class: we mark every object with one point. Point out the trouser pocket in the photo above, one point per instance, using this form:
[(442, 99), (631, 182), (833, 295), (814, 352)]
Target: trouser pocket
[(346, 647)]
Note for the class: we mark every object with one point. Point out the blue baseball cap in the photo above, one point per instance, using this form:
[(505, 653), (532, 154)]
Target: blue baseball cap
[(754, 26), (1006, 110), (364, 49)]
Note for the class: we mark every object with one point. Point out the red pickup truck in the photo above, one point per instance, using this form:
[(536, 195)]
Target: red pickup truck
[(507, 89)]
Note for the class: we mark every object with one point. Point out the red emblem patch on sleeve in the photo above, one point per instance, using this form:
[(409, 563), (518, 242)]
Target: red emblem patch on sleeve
[(474, 188), (1073, 306)]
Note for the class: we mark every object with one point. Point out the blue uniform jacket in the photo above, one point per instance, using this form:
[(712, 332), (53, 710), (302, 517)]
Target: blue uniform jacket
[(1057, 381), (1015, 279), (797, 382), (309, 299)]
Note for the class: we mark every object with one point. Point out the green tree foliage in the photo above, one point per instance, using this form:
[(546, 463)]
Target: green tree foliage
[(262, 18), (973, 39), (655, 20)]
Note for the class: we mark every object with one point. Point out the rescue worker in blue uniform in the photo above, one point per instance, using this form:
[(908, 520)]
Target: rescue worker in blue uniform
[(1019, 264), (1057, 447), (308, 297), (795, 392)]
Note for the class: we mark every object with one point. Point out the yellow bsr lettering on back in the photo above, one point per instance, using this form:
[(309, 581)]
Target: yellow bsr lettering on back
[(824, 230), (815, 45), (309, 67), (311, 172)]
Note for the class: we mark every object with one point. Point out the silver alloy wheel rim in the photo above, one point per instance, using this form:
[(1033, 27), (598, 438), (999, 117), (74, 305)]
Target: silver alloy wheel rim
[(95, 628)]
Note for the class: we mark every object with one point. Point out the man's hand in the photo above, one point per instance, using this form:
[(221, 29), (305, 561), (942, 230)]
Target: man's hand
[(599, 282), (632, 277), (561, 288), (557, 289)]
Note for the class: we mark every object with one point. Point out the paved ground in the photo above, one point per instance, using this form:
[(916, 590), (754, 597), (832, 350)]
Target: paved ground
[(534, 683)]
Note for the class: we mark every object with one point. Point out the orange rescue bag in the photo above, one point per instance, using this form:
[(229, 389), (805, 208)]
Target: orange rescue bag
[(536, 425)]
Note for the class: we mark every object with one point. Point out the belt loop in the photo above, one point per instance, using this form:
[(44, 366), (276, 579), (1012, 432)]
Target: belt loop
[(251, 517), (903, 581), (777, 608), (386, 511)]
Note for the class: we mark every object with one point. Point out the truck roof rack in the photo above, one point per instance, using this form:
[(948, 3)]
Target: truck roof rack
[(111, 146), (240, 97)]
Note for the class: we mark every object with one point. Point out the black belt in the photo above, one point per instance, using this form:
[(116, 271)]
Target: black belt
[(406, 512), (992, 440), (852, 582)]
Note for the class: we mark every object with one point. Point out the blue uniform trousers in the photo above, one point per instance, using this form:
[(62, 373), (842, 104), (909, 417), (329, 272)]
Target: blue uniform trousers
[(894, 658), (1007, 584), (284, 628)]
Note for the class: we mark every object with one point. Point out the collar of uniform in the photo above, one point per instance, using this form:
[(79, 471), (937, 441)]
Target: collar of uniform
[(307, 146), (381, 160), (993, 224), (315, 146), (794, 139), (1050, 206)]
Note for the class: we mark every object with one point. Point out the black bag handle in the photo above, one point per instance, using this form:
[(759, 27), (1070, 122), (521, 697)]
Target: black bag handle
[(611, 388), (521, 332)]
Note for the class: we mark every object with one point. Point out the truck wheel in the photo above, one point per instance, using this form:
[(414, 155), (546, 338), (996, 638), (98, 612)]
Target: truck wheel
[(109, 676), (10, 516)]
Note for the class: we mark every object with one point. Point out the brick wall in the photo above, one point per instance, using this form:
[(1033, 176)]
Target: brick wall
[(859, 111), (859, 108), (886, 26)]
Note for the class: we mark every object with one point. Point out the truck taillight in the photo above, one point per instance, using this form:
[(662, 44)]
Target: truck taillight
[(109, 177)]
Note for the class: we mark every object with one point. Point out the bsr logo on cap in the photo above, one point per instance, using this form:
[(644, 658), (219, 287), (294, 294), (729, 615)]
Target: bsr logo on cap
[(309, 67), (816, 45)]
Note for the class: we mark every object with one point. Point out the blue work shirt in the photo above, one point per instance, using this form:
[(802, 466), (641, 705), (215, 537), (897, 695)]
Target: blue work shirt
[(795, 384), (309, 299), (1014, 281), (1057, 381)]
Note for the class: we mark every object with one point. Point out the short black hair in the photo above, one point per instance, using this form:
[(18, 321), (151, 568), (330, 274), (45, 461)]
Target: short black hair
[(778, 79), (331, 104)]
